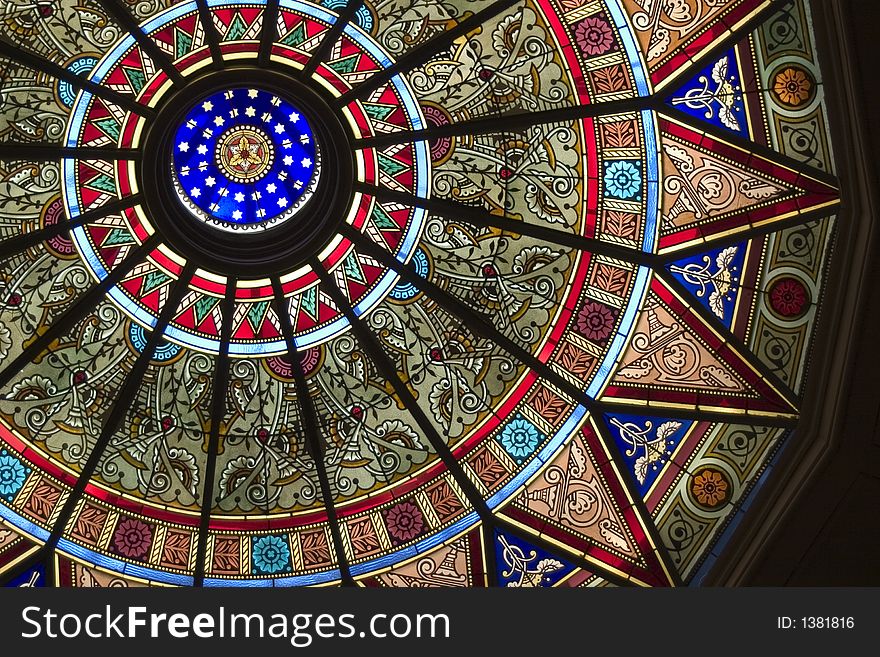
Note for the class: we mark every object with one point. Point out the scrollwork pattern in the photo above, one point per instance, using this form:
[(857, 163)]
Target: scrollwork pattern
[(664, 24), (60, 400), (533, 175), (509, 64)]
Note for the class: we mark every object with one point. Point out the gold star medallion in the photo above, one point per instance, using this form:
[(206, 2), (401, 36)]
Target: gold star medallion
[(244, 153)]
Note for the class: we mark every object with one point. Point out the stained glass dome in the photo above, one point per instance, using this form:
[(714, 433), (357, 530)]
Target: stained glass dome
[(401, 292)]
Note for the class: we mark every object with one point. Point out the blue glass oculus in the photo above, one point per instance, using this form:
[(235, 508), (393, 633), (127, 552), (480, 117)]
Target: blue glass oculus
[(244, 159)]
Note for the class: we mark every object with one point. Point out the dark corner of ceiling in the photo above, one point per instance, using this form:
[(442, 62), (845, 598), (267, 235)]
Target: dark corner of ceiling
[(818, 522)]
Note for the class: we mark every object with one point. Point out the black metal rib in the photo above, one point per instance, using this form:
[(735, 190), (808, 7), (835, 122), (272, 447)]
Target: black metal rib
[(26, 241), (702, 416), (77, 311), (33, 61), (453, 210), (267, 37), (753, 232), (638, 502), (424, 52), (483, 326), (311, 428), (45, 152), (513, 122), (122, 404), (211, 34), (331, 36), (218, 410), (389, 372), (695, 414), (122, 15), (475, 321), (487, 532)]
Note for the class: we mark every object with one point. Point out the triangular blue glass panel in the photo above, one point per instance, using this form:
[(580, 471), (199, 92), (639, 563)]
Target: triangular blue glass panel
[(713, 278), (715, 95), (521, 564), (646, 444)]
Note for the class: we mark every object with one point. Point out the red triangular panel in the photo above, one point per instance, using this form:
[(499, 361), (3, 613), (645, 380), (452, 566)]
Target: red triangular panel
[(675, 359), (712, 188), (578, 502), (458, 563)]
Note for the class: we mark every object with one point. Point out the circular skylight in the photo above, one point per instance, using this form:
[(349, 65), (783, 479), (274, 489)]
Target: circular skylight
[(244, 159)]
